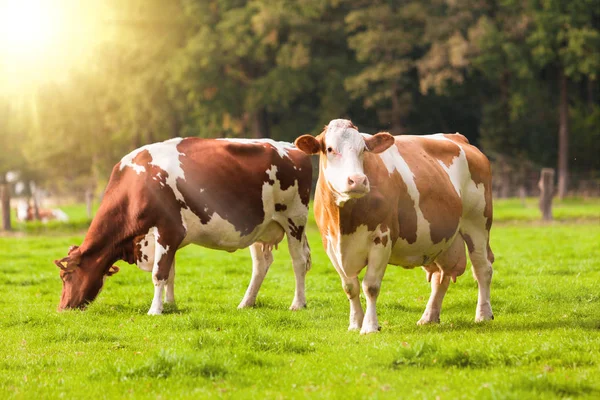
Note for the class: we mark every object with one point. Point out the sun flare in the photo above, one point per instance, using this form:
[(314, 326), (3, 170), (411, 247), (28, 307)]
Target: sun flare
[(29, 27), (41, 40)]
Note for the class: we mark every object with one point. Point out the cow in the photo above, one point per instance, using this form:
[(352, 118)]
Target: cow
[(225, 194), (402, 200), (26, 213)]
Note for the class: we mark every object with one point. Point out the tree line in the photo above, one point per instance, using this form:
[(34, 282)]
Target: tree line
[(519, 78)]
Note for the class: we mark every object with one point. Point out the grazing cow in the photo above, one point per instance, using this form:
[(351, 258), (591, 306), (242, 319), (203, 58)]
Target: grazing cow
[(26, 212), (217, 193), (404, 200)]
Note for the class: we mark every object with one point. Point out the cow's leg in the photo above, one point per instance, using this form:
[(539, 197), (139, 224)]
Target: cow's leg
[(170, 297), (262, 258), (164, 255), (448, 266), (351, 287), (300, 253), (482, 258), (439, 286), (371, 284)]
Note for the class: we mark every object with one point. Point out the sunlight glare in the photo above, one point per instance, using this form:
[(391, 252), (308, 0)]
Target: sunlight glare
[(40, 40)]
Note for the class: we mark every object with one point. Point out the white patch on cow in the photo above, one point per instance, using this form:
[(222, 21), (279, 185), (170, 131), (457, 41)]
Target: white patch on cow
[(146, 261), (159, 250), (458, 171), (166, 157), (281, 147), (393, 161)]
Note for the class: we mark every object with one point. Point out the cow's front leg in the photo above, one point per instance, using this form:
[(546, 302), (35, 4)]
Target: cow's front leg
[(170, 297), (378, 258), (164, 255), (351, 287)]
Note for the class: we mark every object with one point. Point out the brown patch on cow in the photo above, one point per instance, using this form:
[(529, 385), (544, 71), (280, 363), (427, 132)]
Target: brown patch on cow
[(442, 150), (295, 231), (377, 240), (469, 241), (384, 241), (407, 213), (373, 290), (440, 204), (280, 207), (490, 254), (231, 188)]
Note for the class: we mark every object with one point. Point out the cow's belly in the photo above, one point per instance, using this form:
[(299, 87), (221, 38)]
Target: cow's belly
[(419, 253), (220, 234)]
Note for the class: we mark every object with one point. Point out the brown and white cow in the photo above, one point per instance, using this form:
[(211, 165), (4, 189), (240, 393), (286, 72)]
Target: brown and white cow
[(217, 193), (404, 200)]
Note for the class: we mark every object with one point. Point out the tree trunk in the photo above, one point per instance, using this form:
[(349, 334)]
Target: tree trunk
[(89, 199), (260, 124), (546, 185), (397, 113), (563, 136), (5, 201)]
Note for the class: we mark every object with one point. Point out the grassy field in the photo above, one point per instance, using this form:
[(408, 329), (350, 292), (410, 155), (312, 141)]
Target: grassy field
[(544, 342)]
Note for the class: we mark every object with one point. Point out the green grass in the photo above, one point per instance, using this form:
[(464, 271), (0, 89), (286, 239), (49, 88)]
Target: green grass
[(544, 342), (506, 210)]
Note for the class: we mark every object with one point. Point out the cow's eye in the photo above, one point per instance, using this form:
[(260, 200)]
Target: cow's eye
[(329, 149)]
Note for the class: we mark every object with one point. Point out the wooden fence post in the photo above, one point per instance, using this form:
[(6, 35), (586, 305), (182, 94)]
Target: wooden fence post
[(546, 185)]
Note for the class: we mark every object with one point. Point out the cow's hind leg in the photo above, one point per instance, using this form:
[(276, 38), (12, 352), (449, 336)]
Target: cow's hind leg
[(300, 253), (439, 286), (482, 258), (448, 266), (262, 258), (164, 255), (170, 297)]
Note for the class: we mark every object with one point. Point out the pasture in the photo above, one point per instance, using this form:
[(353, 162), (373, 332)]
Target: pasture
[(544, 342)]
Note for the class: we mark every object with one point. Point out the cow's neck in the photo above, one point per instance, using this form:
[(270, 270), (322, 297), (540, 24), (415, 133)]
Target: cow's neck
[(109, 238)]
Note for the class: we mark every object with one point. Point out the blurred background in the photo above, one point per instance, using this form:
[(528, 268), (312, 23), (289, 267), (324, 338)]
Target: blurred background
[(82, 83)]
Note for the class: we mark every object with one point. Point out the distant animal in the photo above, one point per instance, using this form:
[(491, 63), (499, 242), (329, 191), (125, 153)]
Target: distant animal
[(217, 193), (402, 200), (26, 212)]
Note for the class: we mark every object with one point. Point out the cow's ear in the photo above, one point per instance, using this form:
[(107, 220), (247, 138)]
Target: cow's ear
[(308, 144), (112, 270), (379, 142)]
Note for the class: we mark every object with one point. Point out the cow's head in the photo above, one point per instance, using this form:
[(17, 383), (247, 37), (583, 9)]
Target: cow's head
[(341, 148), (82, 280)]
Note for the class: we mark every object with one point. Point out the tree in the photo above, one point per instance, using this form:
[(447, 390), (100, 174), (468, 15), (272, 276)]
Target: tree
[(387, 39), (565, 41)]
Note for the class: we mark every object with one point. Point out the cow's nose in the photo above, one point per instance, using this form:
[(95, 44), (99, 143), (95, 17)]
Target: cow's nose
[(357, 182)]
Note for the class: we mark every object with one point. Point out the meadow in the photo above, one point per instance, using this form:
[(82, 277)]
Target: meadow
[(543, 343)]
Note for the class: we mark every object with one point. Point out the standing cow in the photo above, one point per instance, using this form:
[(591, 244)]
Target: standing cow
[(218, 193), (405, 200)]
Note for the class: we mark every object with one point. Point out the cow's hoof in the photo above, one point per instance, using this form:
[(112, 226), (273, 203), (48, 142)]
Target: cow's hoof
[(424, 321), (370, 329), (154, 312), (296, 307), (244, 304), (483, 318), (353, 327)]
